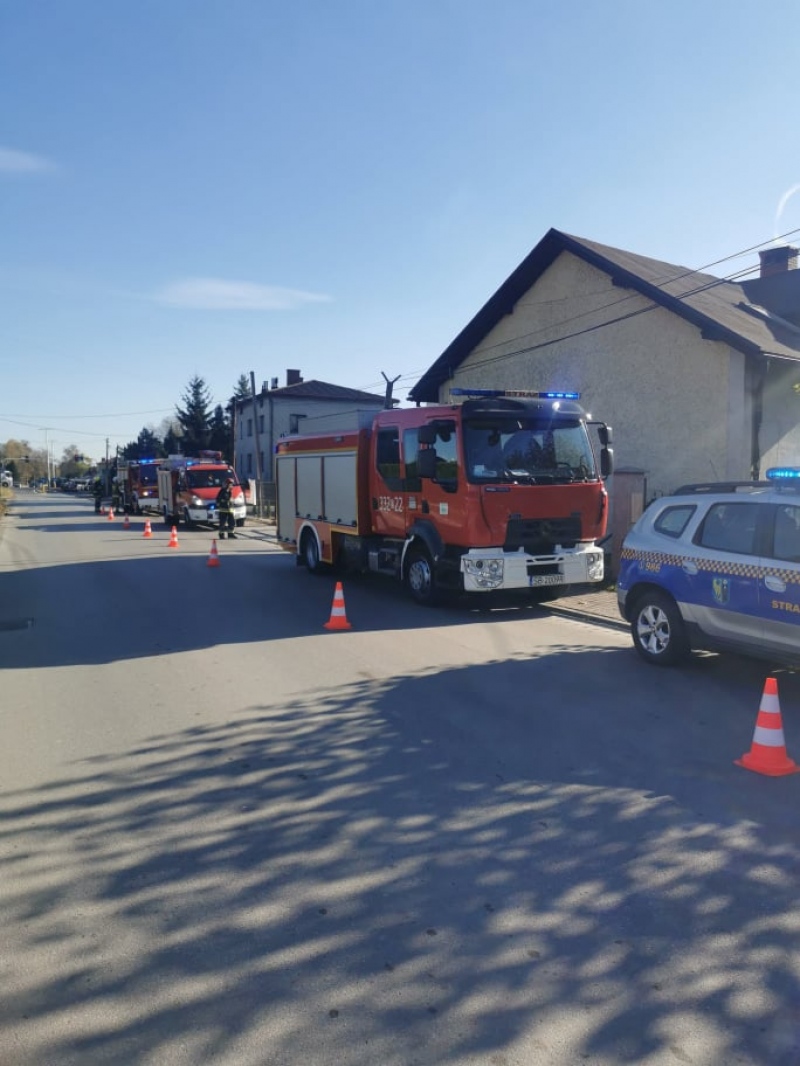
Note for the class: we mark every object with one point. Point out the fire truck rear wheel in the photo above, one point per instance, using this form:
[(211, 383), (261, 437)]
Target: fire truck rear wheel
[(310, 550), (420, 577)]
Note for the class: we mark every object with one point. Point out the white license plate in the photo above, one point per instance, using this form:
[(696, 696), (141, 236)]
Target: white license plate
[(546, 579)]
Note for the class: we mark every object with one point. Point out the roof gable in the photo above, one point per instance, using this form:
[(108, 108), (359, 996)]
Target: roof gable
[(719, 308)]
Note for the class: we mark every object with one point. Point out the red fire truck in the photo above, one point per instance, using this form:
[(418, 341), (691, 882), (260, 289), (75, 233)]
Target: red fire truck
[(188, 489), (138, 484), (501, 490)]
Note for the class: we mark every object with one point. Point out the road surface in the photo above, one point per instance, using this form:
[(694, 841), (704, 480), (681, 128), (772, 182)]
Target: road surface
[(442, 838)]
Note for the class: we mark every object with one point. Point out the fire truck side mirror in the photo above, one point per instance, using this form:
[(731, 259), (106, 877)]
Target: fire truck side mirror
[(426, 434), (607, 462), (426, 462)]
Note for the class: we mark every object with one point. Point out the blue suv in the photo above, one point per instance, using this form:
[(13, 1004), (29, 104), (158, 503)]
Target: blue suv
[(716, 566)]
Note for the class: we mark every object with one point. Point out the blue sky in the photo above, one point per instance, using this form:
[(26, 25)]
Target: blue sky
[(217, 186)]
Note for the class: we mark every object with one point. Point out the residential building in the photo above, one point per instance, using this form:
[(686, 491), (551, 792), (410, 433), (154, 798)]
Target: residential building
[(698, 375), (299, 406)]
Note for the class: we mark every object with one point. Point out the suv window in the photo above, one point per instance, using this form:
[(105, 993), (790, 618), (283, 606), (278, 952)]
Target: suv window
[(786, 544), (672, 520), (730, 527)]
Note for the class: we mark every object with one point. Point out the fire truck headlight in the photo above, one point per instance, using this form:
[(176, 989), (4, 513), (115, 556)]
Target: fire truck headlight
[(595, 566), (487, 573), (197, 502)]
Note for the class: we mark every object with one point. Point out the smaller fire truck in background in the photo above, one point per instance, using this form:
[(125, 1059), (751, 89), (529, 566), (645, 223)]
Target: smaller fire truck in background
[(138, 485), (188, 487)]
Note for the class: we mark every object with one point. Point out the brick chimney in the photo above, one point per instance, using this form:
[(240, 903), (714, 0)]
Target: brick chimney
[(777, 260), (293, 377)]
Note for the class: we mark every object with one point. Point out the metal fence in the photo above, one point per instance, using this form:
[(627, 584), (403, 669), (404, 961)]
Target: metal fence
[(262, 502)]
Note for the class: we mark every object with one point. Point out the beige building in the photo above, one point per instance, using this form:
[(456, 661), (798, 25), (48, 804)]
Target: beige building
[(698, 376)]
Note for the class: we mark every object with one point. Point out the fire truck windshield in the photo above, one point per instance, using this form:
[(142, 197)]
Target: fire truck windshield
[(528, 450), (148, 475), (209, 479)]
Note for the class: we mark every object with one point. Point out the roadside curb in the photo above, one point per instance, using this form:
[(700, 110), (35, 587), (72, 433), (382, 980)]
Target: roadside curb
[(588, 616)]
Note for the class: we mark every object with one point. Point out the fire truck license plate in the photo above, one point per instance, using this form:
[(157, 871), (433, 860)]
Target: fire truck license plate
[(546, 579)]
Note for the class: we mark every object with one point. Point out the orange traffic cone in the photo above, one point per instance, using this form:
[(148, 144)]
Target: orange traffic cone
[(111, 514), (127, 523), (338, 618), (147, 530), (213, 559), (767, 753), (173, 538)]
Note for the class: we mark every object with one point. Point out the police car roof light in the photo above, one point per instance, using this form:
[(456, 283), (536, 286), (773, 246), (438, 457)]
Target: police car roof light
[(783, 473), (518, 394)]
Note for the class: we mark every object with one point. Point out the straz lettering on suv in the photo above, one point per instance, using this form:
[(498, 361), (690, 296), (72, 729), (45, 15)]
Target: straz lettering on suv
[(716, 566), (500, 491)]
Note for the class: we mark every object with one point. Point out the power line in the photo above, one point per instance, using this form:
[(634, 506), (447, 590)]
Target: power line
[(713, 283)]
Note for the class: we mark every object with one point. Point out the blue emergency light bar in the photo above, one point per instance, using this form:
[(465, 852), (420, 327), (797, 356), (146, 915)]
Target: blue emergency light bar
[(517, 394), (783, 473)]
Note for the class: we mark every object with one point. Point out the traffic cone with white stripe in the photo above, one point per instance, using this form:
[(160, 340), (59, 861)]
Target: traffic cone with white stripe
[(213, 558), (767, 753), (127, 523), (338, 618), (173, 538), (111, 514), (148, 532)]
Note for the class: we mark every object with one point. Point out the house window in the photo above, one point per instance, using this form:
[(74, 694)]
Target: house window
[(249, 462), (249, 427), (260, 423), (294, 423)]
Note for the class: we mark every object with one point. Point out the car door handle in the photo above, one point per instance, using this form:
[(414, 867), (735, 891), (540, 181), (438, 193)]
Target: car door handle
[(690, 566), (774, 583)]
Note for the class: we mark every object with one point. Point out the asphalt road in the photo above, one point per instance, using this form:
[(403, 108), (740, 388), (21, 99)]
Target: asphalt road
[(442, 838)]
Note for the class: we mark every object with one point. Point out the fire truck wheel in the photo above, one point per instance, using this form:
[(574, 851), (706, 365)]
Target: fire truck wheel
[(310, 550), (420, 577)]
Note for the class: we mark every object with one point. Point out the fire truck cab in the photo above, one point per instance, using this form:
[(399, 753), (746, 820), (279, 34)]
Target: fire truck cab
[(188, 489), (138, 485), (502, 491)]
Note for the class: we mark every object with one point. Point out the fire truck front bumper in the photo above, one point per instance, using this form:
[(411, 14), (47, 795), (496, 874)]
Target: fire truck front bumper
[(487, 571)]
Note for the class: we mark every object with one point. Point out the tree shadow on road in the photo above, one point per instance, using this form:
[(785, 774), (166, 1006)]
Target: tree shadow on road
[(363, 876)]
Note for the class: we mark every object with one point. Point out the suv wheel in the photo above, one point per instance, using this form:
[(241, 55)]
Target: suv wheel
[(658, 631)]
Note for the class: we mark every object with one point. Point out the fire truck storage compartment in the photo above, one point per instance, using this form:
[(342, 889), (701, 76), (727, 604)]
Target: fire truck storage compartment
[(318, 487)]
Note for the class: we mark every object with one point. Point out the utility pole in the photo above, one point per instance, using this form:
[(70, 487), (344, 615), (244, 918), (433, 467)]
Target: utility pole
[(107, 479), (259, 479)]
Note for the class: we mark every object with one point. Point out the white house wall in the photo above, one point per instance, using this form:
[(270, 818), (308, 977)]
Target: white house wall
[(669, 395)]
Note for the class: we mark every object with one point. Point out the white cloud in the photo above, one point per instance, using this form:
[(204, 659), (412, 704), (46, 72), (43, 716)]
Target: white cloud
[(14, 162), (214, 294)]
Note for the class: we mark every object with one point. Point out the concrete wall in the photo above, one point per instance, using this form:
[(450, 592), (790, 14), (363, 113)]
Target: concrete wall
[(677, 403)]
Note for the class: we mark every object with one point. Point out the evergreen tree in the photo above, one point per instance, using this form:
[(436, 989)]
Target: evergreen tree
[(220, 436), (194, 417), (173, 443), (242, 389), (146, 446)]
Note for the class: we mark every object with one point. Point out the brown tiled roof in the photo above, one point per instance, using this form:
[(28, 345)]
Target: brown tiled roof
[(719, 308)]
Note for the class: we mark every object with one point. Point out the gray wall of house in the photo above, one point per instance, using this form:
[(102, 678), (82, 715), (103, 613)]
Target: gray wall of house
[(780, 426), (680, 406), (278, 416)]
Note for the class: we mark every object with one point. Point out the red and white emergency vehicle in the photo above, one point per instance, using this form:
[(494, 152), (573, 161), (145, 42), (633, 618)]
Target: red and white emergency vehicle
[(501, 490), (188, 489), (138, 485)]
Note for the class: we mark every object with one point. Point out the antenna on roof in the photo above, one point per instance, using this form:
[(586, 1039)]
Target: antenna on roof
[(388, 402)]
